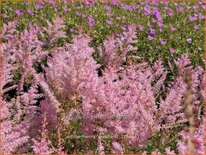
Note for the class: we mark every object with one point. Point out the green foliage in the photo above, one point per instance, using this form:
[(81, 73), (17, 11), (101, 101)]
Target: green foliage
[(149, 49)]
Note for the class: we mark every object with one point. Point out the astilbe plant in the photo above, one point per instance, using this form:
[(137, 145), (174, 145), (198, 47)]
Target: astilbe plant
[(21, 50), (190, 141), (54, 31), (197, 141), (114, 50), (13, 132), (101, 93), (41, 146), (127, 101), (123, 100), (127, 107), (71, 65)]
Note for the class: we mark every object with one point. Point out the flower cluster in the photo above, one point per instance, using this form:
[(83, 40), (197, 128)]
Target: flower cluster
[(45, 86)]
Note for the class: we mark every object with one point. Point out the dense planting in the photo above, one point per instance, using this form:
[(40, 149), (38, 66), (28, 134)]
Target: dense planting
[(103, 77)]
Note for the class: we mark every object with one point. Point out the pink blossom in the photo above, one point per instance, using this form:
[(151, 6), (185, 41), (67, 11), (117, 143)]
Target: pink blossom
[(173, 28), (158, 15), (189, 40), (154, 20), (109, 22), (162, 42), (160, 24), (192, 18), (107, 7), (147, 10), (171, 50), (19, 13), (203, 17), (181, 9), (5, 16), (65, 9), (109, 14), (90, 21), (196, 27), (55, 5), (117, 148), (152, 31), (141, 27), (31, 12), (150, 37), (125, 27), (38, 5)]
